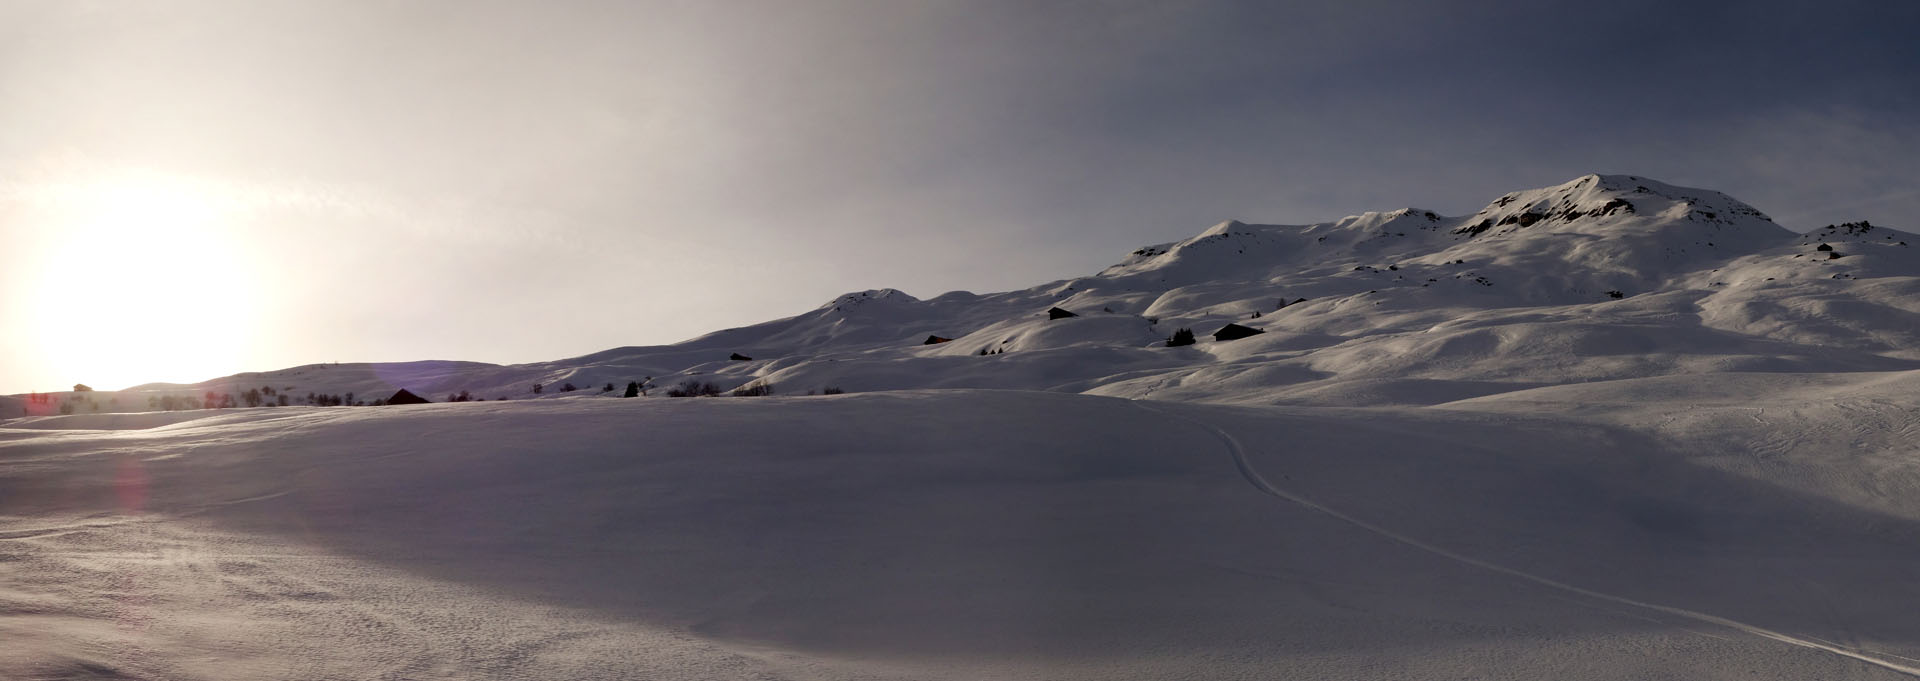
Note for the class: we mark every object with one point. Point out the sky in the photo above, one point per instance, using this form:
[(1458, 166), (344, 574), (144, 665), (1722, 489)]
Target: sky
[(192, 189)]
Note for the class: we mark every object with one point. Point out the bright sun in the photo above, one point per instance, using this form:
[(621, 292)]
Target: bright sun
[(137, 279)]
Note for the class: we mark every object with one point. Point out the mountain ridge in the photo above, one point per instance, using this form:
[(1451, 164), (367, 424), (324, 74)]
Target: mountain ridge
[(1601, 277)]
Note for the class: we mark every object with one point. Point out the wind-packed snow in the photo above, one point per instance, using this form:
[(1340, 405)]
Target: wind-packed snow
[(1609, 429)]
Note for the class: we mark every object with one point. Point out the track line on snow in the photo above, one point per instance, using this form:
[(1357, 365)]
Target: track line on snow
[(1259, 482), (43, 532), (217, 505)]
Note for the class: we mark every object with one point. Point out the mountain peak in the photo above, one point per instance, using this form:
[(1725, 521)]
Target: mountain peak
[(869, 296), (1226, 227), (1593, 197)]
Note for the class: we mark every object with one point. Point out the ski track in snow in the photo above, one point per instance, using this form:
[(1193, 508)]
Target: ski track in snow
[(42, 532), (1259, 482)]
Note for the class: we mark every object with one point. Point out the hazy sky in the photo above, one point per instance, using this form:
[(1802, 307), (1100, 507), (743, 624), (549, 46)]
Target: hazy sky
[(189, 189)]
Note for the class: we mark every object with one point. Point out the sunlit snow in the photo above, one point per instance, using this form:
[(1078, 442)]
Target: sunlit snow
[(1609, 429)]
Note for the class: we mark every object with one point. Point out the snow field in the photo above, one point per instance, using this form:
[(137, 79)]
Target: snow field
[(932, 534)]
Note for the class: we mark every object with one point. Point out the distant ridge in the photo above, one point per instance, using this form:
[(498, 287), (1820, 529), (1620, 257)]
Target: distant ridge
[(1601, 277)]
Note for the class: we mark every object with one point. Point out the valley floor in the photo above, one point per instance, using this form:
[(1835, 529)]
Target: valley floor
[(1745, 526)]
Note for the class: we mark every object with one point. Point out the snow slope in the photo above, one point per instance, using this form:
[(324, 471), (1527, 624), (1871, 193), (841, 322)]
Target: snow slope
[(1608, 429)]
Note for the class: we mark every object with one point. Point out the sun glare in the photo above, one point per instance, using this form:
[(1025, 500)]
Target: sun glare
[(137, 279)]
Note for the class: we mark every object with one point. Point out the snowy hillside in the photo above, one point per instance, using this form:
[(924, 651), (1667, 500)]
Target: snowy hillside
[(1608, 429), (1605, 277)]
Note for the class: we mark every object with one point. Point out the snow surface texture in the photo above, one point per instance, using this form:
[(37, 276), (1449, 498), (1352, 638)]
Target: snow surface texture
[(1459, 457)]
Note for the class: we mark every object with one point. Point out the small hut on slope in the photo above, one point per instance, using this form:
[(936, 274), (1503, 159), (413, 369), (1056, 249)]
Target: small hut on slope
[(407, 397), (1235, 332)]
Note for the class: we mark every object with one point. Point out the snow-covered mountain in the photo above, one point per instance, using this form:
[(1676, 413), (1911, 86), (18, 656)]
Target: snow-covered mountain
[(1603, 277), (1609, 429)]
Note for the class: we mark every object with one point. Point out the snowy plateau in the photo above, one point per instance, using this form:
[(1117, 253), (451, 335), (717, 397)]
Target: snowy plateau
[(1611, 429)]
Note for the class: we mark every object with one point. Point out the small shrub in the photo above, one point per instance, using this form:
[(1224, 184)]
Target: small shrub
[(831, 390), (755, 390), (693, 388), (568, 388), (1181, 337)]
